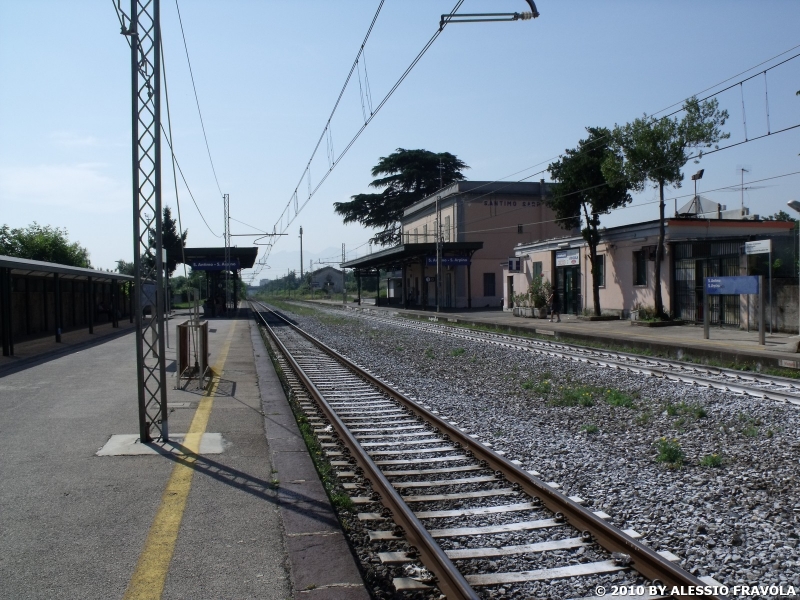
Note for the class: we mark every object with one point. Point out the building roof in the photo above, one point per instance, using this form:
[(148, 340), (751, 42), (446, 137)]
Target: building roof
[(246, 255), (25, 266), (683, 229), (396, 256), (480, 188)]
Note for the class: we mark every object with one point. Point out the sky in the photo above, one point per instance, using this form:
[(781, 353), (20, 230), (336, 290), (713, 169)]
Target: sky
[(506, 98)]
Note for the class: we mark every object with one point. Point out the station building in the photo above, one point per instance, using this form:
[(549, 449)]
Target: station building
[(481, 222), (694, 248), (327, 279)]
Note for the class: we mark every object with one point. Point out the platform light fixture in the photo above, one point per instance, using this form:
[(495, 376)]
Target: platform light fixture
[(795, 206)]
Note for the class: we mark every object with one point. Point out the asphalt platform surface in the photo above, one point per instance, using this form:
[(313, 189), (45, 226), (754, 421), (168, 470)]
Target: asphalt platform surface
[(250, 522)]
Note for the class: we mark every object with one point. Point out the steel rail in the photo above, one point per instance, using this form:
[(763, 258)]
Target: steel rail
[(448, 578), (635, 364), (647, 562)]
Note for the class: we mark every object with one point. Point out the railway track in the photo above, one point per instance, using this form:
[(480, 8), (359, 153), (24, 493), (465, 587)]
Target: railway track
[(448, 512), (756, 385)]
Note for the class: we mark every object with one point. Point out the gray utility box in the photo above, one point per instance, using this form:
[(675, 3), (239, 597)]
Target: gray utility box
[(191, 359)]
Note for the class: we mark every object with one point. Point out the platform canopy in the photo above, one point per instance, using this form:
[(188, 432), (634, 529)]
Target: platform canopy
[(213, 259), (404, 254)]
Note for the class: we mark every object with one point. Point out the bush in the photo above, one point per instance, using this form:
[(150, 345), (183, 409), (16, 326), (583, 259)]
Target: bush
[(590, 428), (539, 290), (711, 460), (670, 452)]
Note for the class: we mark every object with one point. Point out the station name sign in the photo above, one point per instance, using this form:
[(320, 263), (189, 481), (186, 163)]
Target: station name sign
[(721, 286), (759, 247), (448, 261), (214, 265)]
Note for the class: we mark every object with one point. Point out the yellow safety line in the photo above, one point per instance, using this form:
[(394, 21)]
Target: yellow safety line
[(147, 582)]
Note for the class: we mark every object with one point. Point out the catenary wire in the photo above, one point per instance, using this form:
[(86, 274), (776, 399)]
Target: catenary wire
[(196, 99)]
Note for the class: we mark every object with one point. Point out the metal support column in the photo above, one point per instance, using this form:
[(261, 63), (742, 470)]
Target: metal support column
[(469, 283), (405, 288), (58, 307), (144, 35), (762, 312), (114, 304), (226, 201), (5, 312), (358, 283), (91, 305)]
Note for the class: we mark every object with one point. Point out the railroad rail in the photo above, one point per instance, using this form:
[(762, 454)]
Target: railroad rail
[(756, 385), (411, 456)]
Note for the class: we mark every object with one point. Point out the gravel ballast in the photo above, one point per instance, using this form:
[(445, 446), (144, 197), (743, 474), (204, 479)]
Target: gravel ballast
[(707, 475)]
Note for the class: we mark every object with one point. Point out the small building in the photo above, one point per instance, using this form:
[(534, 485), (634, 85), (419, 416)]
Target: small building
[(479, 222), (327, 279), (695, 248)]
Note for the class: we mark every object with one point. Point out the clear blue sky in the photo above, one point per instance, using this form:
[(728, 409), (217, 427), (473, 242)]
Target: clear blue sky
[(503, 97)]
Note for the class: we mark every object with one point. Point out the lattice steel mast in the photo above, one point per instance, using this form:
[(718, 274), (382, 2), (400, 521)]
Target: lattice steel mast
[(227, 207), (144, 33)]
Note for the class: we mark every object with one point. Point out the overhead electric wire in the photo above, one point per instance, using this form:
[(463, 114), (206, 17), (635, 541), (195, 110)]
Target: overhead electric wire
[(196, 99), (279, 224)]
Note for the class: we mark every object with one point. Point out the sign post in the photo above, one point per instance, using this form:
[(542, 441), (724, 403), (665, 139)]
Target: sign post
[(729, 286), (763, 247)]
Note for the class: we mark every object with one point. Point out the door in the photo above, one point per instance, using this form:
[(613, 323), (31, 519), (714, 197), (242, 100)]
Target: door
[(510, 290)]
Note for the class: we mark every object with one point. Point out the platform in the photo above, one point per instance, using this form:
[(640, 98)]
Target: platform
[(234, 509)]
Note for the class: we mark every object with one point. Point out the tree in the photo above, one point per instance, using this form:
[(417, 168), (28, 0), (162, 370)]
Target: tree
[(781, 215), (45, 243), (654, 150), (169, 240), (408, 176), (126, 268), (582, 187)]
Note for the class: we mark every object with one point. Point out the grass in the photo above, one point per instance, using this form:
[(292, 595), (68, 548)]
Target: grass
[(590, 428), (429, 353), (682, 409), (670, 452), (541, 387), (582, 395), (619, 399), (711, 460), (457, 352)]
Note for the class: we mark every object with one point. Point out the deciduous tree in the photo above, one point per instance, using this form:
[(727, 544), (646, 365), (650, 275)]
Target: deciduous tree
[(654, 150), (45, 243), (582, 187)]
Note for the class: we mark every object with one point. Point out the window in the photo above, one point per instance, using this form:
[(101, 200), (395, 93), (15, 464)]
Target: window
[(447, 229), (537, 269), (640, 268), (600, 270), (519, 228), (488, 285), (424, 233)]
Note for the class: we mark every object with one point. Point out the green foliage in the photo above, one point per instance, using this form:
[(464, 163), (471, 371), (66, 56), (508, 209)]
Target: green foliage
[(457, 352), (429, 354), (169, 241), (619, 399), (539, 290), (582, 187), (582, 395), (682, 409), (590, 428), (670, 452), (43, 242), (651, 150), (711, 460), (408, 176)]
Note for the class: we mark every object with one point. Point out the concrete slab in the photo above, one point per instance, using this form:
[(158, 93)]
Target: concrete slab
[(127, 444)]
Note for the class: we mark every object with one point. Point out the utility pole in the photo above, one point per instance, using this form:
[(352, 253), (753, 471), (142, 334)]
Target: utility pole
[(144, 35), (301, 253), (743, 170), (344, 290), (226, 201), (438, 230)]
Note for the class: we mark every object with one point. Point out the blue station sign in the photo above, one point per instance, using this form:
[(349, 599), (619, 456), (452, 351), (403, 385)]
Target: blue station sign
[(214, 265), (721, 286), (448, 261)]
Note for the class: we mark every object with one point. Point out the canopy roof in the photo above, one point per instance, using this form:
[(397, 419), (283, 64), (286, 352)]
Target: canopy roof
[(397, 256), (25, 266)]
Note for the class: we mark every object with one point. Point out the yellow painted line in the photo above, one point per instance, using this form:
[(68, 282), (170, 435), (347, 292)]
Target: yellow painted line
[(147, 582)]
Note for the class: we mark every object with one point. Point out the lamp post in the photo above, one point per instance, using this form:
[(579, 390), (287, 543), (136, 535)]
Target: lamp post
[(795, 206), (696, 201)]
